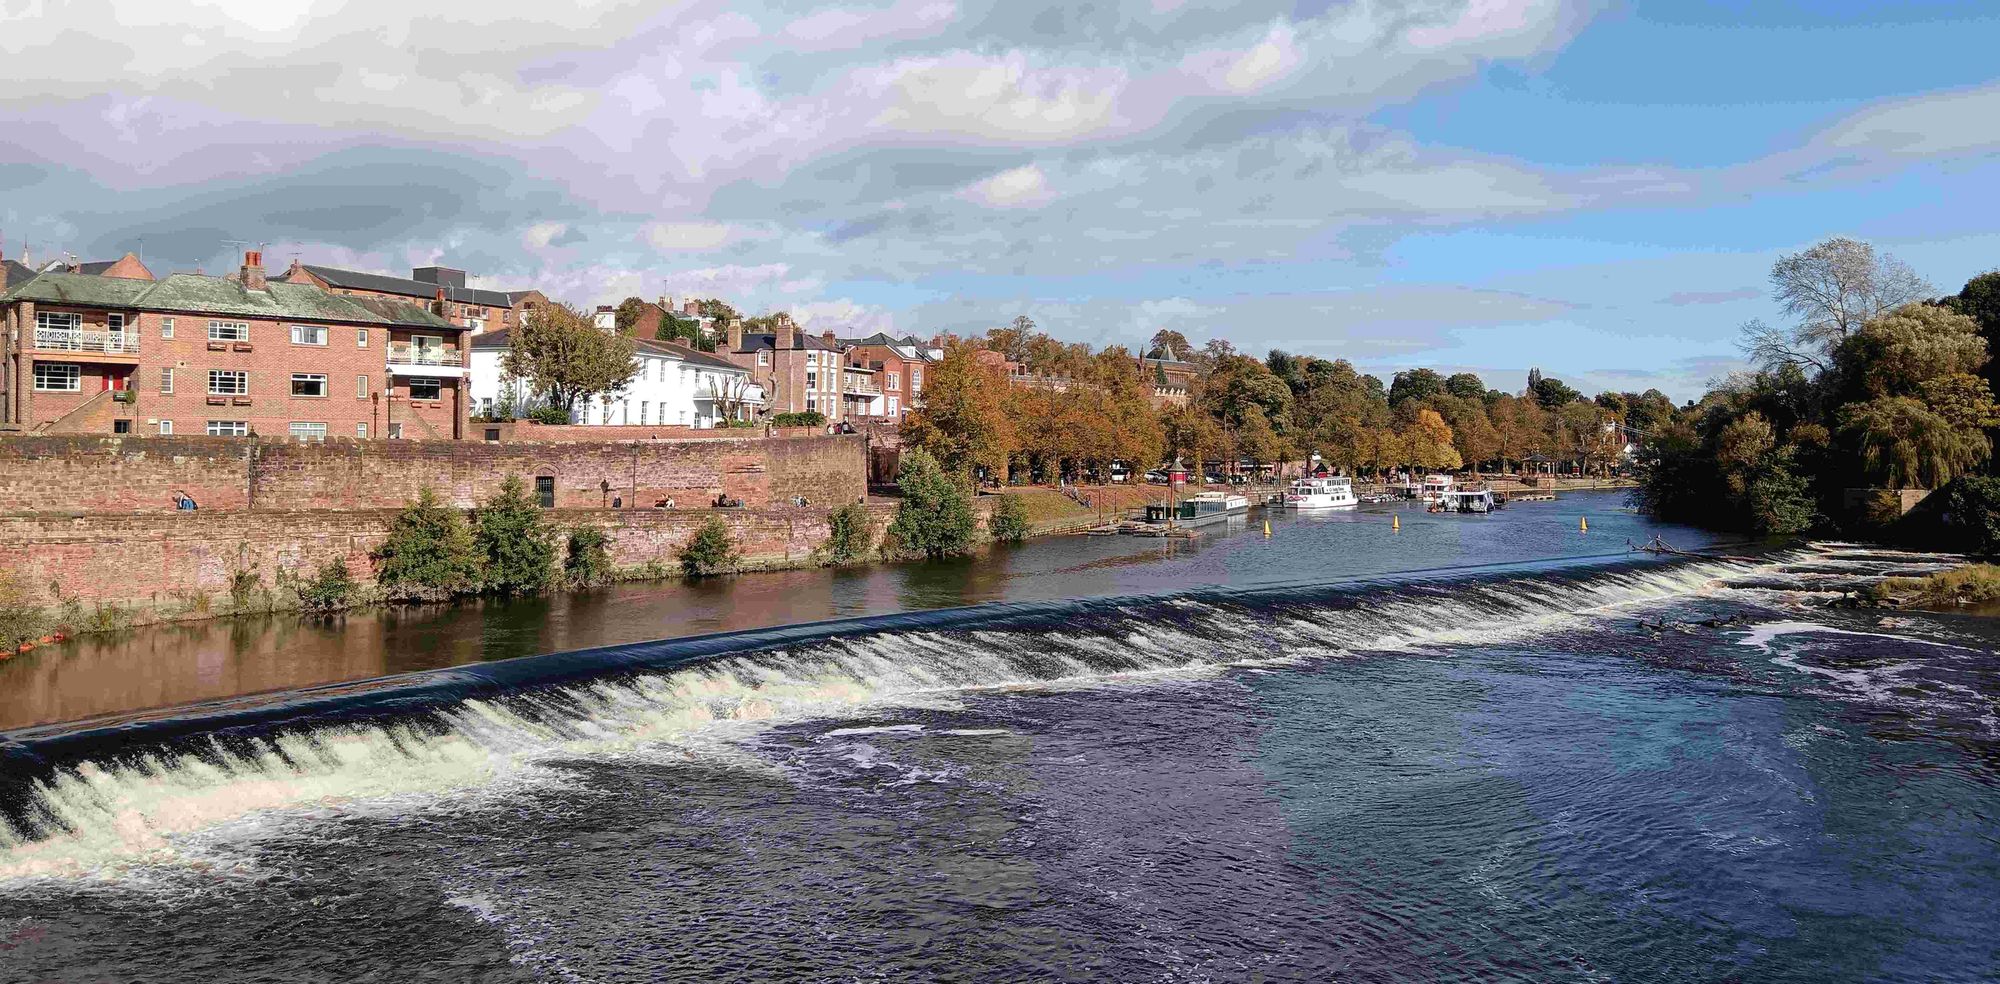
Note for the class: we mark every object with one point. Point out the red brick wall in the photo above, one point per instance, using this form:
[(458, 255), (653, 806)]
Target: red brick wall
[(102, 474), (148, 559)]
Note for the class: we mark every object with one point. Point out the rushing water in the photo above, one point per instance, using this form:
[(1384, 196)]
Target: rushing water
[(1584, 769)]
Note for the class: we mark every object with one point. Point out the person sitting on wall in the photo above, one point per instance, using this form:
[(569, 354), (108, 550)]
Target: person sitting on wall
[(666, 503)]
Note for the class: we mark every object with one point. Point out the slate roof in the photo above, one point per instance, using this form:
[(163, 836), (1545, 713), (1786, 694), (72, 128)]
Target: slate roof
[(18, 273), (423, 290), (489, 340), (196, 294), (767, 340)]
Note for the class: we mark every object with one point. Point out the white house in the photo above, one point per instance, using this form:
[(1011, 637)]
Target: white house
[(673, 385)]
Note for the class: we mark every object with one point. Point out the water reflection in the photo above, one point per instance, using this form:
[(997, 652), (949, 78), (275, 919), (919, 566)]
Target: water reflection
[(179, 664)]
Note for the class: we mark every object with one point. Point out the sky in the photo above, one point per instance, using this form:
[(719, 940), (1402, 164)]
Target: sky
[(1593, 187)]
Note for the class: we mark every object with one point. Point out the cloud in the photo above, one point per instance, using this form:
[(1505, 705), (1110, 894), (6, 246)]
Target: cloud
[(1024, 186), (673, 236), (1685, 297)]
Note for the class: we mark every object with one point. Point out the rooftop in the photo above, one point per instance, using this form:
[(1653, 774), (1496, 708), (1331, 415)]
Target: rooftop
[(422, 289), (197, 294)]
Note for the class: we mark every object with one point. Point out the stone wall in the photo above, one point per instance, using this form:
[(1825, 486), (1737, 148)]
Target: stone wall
[(152, 560), (84, 474)]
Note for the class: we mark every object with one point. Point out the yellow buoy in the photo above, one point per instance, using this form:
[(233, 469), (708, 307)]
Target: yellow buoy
[(1267, 529), (1583, 523), (1395, 522)]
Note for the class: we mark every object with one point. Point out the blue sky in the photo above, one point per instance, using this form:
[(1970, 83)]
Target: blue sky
[(1593, 188)]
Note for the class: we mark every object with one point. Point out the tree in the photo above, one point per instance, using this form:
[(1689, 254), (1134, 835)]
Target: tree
[(1168, 344), (848, 533), (1009, 522), (935, 517), (964, 422), (1465, 385), (1550, 392), (1415, 384), (1908, 445), (1980, 301), (1832, 290), (516, 542), (710, 551), (586, 559), (329, 590), (1427, 443), (429, 553), (625, 317), (565, 358)]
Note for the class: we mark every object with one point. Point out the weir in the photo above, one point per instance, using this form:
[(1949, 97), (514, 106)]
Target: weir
[(94, 797)]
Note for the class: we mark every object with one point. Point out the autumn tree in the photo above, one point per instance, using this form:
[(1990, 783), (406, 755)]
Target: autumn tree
[(964, 421), (1832, 289), (1427, 442), (565, 358)]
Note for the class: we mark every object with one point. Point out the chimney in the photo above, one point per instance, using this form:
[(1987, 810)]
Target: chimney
[(735, 341), (295, 270), (253, 270), (691, 307), (827, 336), (786, 336)]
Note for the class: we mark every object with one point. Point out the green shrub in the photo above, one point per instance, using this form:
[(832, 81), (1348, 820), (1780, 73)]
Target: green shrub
[(243, 587), (330, 589), (548, 414), (709, 551), (802, 418), (1973, 508), (21, 620), (587, 562), (1009, 521), (1971, 584), (935, 518), (848, 533), (516, 545), (430, 553)]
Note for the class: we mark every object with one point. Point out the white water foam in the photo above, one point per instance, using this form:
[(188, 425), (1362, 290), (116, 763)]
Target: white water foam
[(102, 820)]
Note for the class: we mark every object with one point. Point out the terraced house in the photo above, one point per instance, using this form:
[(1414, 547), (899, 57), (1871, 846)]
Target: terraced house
[(228, 356)]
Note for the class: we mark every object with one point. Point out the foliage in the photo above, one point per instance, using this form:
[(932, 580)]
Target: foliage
[(244, 584), (1780, 500), (935, 518), (548, 413), (1969, 584), (1009, 521), (515, 542), (1833, 289), (586, 559), (1415, 384), (964, 422), (430, 553), (625, 317), (1972, 505), (330, 589), (565, 358), (1550, 392), (21, 620), (710, 551), (848, 533), (1908, 444), (800, 418)]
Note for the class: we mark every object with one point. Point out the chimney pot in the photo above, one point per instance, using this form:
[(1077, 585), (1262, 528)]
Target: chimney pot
[(253, 270)]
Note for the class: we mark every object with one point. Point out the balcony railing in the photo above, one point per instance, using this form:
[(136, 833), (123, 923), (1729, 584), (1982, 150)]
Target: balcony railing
[(868, 388), (86, 340), (404, 355)]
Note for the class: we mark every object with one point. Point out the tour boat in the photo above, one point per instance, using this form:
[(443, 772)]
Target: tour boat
[(1468, 501), (1436, 488), (1321, 493)]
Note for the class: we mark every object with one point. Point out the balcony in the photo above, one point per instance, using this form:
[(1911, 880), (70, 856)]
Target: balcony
[(863, 387), (409, 360), (87, 340)]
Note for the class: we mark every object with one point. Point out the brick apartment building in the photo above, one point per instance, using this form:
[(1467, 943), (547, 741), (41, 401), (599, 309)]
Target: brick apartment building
[(443, 288), (653, 313), (898, 364), (227, 356), (800, 372)]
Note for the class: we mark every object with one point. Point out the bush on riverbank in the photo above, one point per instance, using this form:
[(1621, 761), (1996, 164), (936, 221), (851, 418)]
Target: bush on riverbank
[(848, 535), (710, 551), (516, 544), (1972, 584), (430, 554), (935, 518), (587, 561), (330, 589), (1009, 522), (21, 620)]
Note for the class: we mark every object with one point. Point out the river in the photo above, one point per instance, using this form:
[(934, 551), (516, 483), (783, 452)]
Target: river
[(1477, 748)]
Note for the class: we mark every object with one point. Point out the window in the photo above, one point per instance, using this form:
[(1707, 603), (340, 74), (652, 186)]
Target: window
[(812, 358), (360, 338), (228, 331), (895, 381), (167, 331), (812, 379), (545, 491), (763, 357), (645, 412), (57, 321), (228, 382), (121, 426), (892, 406), (424, 388), (361, 387), (166, 428), (228, 428), (361, 431), (308, 384), (114, 322), (916, 378), (58, 377), (812, 402), (308, 334), (395, 432), (167, 379), (308, 430)]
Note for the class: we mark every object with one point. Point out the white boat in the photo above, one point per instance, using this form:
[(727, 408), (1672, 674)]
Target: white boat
[(1321, 493), (1436, 488), (1219, 501)]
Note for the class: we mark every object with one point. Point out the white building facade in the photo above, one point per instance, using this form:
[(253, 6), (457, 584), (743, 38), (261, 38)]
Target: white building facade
[(672, 386)]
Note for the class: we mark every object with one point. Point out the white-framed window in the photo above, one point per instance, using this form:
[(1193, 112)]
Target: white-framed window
[(812, 379), (812, 401), (892, 406), (57, 321), (895, 381), (425, 388), (166, 379), (114, 322), (309, 384), (166, 428), (58, 377), (228, 428), (308, 430), (360, 338), (916, 378), (645, 411), (361, 430), (763, 357), (167, 331), (228, 382), (812, 358), (361, 387), (228, 331), (308, 334)]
